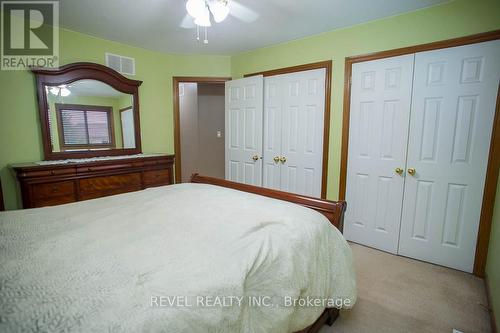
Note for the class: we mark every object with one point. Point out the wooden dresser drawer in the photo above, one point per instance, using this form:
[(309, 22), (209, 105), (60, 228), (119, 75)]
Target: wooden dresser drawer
[(54, 201), (70, 171), (156, 178), (50, 194), (103, 168), (56, 189), (109, 185)]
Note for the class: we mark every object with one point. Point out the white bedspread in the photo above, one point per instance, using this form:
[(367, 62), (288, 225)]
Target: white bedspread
[(114, 264)]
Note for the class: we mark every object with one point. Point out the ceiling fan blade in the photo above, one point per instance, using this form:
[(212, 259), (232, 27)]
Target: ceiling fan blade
[(187, 22), (242, 12)]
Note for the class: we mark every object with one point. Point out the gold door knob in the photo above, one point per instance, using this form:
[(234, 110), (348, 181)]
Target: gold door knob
[(276, 159), (412, 171), (399, 171), (255, 158), (282, 159)]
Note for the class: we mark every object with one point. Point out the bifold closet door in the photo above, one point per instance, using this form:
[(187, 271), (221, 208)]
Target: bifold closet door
[(243, 123), (453, 108), (273, 107), (302, 132), (378, 132), (294, 110)]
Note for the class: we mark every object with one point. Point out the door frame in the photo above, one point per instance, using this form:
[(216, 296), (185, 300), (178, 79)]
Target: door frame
[(327, 65), (483, 237), (176, 80), (121, 123)]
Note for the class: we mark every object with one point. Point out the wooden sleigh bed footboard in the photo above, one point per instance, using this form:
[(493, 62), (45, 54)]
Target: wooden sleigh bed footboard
[(333, 210)]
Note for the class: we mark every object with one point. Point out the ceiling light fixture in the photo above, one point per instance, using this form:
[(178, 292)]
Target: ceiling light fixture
[(203, 20), (201, 10), (219, 10), (195, 8)]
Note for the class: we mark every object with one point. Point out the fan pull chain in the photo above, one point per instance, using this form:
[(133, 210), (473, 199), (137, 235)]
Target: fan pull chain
[(197, 33), (206, 36)]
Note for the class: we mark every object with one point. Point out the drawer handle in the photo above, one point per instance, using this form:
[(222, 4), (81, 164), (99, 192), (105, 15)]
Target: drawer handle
[(52, 172), (89, 169), (55, 189)]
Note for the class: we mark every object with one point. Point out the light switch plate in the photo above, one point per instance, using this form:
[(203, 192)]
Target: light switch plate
[(219, 134)]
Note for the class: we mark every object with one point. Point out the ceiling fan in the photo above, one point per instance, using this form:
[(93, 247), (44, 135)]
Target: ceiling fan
[(201, 12)]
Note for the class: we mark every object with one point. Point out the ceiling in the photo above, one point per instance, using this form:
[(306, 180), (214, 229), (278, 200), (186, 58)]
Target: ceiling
[(161, 25)]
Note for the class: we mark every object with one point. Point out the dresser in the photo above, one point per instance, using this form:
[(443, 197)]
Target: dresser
[(52, 183)]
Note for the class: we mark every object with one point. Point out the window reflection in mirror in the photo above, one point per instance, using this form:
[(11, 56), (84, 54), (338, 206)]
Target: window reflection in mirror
[(89, 115)]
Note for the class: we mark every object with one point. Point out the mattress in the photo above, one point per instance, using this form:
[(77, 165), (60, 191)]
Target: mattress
[(178, 258)]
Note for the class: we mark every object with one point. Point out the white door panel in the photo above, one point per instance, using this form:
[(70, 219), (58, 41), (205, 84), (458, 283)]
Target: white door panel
[(273, 97), (453, 107), (378, 132), (302, 131), (243, 140)]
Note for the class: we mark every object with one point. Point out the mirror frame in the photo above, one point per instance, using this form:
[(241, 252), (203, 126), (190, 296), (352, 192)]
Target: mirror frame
[(84, 71)]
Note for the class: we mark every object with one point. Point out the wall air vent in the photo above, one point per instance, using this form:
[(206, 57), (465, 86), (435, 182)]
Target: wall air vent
[(121, 64)]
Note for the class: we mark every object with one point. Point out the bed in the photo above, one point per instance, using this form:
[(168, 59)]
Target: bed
[(176, 258)]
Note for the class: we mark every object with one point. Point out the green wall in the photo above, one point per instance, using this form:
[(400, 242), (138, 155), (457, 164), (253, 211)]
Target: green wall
[(20, 137)]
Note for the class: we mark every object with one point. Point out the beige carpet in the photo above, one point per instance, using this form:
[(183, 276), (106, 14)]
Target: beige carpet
[(397, 294)]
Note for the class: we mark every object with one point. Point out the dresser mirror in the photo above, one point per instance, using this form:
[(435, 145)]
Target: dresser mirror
[(87, 110)]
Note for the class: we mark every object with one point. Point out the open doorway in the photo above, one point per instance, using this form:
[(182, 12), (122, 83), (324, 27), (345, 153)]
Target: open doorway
[(199, 127)]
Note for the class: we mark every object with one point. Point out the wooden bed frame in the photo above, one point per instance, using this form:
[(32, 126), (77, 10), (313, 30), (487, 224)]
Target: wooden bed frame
[(333, 210)]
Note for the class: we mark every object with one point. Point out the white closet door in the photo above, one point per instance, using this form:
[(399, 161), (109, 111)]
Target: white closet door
[(302, 131), (273, 99), (451, 122), (378, 132), (244, 105)]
